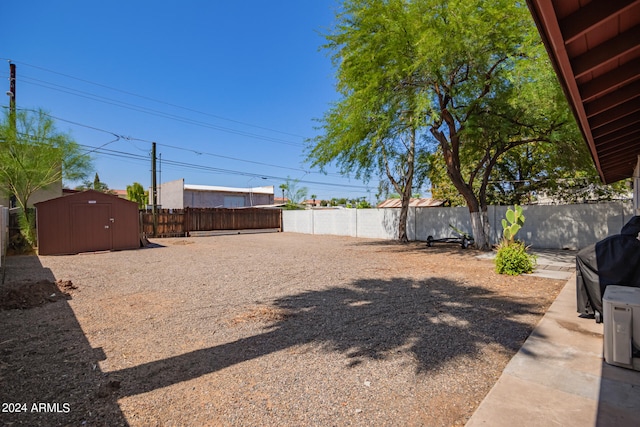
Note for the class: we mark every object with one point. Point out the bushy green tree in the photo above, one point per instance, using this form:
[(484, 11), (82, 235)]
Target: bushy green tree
[(136, 193), (373, 130), (465, 81), (362, 203), (33, 156), (494, 91), (527, 173)]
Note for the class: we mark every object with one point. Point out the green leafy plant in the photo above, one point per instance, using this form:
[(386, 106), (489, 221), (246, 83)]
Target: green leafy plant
[(136, 193), (512, 257)]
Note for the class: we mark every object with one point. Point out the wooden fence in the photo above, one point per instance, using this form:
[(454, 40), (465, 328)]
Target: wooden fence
[(180, 222)]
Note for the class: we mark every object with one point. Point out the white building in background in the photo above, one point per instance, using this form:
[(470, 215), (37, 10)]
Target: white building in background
[(50, 192), (178, 195)]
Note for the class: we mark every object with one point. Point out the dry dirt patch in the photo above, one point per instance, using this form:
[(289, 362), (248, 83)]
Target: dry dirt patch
[(30, 295), (265, 329), (263, 314)]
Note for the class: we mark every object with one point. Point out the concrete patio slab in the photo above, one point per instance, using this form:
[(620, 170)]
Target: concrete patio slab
[(551, 263), (559, 378), (551, 273)]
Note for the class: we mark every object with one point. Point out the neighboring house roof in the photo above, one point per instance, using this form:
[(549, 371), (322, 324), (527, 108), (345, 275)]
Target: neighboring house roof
[(120, 193), (414, 203), (255, 190)]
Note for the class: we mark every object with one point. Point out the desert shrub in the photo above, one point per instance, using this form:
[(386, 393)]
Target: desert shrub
[(512, 259)]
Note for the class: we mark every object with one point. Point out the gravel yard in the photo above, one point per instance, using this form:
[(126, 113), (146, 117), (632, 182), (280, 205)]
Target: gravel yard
[(272, 329)]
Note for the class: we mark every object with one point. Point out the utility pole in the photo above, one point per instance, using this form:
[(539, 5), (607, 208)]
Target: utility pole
[(12, 96), (154, 189)]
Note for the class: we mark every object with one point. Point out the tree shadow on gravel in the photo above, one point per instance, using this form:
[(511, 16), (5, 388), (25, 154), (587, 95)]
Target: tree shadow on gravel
[(49, 372), (435, 320)]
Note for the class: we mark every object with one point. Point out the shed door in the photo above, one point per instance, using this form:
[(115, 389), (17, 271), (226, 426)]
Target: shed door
[(92, 227)]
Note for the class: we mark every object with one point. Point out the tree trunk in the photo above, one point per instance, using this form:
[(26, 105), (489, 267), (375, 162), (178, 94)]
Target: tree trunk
[(404, 186), (402, 225), (408, 187), (479, 218), (480, 230)]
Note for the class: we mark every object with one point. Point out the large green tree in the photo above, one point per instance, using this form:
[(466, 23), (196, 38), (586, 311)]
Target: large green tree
[(373, 130), (469, 75), (493, 91), (33, 156)]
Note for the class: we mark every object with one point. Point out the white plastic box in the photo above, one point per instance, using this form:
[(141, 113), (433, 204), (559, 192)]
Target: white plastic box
[(621, 314)]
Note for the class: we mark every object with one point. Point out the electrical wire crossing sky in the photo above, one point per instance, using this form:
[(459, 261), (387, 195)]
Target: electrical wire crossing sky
[(231, 92)]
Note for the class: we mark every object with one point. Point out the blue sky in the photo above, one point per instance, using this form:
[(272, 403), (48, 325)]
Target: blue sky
[(220, 86)]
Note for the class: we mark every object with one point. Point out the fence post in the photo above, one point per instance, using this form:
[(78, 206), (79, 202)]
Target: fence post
[(186, 221)]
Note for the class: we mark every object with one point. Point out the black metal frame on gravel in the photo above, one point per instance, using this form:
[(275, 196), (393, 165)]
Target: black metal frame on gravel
[(465, 240)]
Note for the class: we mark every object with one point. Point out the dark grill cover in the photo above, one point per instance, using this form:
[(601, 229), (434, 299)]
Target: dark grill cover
[(612, 261)]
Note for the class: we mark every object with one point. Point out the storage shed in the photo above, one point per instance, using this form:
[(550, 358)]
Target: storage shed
[(85, 222)]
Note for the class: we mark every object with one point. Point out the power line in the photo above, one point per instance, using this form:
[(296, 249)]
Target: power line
[(129, 138), (157, 100), (80, 124), (123, 155), (159, 113), (211, 169), (230, 158)]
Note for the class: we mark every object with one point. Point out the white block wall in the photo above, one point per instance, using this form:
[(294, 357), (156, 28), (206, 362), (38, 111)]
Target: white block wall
[(550, 227), (340, 222), (298, 221), (378, 223)]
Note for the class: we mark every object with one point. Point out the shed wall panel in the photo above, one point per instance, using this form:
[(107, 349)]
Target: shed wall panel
[(126, 231)]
